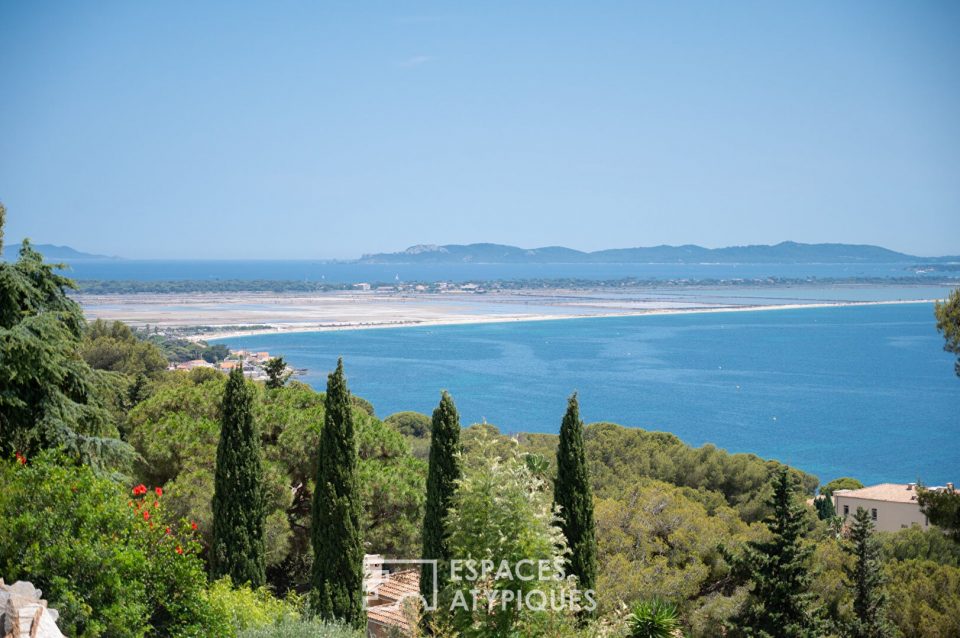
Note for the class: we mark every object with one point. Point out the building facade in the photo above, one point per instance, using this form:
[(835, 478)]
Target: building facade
[(892, 506)]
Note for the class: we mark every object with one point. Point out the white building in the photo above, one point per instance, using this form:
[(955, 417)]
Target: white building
[(892, 506)]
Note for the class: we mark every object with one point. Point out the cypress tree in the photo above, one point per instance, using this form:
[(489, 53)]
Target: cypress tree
[(866, 580), (572, 493), (442, 475), (238, 498), (779, 603), (337, 580)]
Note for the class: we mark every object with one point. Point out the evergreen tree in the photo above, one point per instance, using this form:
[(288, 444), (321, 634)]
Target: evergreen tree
[(442, 475), (48, 394), (337, 582), (779, 601), (238, 496), (276, 369), (948, 324), (825, 509), (572, 494), (866, 580)]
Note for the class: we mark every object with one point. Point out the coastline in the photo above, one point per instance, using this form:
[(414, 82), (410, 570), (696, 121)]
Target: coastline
[(307, 327)]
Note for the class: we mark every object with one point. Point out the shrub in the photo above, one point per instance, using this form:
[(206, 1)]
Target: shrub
[(108, 561), (246, 608), (302, 629)]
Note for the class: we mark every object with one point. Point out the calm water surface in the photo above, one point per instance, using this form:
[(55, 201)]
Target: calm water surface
[(859, 391)]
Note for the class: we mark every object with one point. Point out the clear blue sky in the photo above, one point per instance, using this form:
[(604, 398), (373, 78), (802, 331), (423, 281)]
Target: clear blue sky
[(310, 129)]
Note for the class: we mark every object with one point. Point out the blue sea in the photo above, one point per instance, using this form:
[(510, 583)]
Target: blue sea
[(864, 391)]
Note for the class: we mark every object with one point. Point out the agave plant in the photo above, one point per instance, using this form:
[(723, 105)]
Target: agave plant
[(653, 619)]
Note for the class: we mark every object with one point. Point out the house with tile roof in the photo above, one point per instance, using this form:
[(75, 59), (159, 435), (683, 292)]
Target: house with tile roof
[(892, 506)]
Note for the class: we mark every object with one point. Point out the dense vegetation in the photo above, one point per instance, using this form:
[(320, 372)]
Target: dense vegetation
[(109, 465)]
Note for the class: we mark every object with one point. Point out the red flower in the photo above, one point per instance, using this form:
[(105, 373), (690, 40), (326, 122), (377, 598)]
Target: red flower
[(156, 504), (21, 459), (146, 515), (168, 530), (179, 549), (158, 490), (140, 490), (193, 526)]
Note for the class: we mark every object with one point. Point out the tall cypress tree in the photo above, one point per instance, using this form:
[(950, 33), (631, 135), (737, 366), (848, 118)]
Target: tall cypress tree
[(779, 604), (442, 475), (238, 498), (866, 580), (337, 582), (571, 491)]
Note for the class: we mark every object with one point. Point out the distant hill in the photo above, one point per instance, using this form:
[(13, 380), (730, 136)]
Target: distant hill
[(51, 252), (784, 252)]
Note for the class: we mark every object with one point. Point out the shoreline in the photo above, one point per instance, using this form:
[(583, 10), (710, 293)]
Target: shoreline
[(305, 327)]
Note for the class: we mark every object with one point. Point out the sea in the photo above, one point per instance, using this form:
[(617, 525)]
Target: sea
[(862, 391)]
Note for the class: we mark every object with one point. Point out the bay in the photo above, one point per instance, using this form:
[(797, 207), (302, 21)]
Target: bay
[(863, 391)]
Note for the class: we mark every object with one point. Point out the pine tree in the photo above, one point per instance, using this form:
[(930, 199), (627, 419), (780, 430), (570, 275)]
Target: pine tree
[(48, 393), (866, 579), (442, 475), (337, 581), (238, 500), (779, 604), (572, 494), (277, 375)]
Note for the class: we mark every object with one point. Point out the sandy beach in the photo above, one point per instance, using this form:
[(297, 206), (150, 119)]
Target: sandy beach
[(219, 315)]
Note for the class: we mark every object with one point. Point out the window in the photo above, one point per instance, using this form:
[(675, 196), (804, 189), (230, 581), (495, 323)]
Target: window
[(846, 510), (873, 513)]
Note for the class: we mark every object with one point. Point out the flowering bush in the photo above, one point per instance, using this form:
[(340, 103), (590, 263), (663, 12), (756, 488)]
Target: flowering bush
[(107, 558)]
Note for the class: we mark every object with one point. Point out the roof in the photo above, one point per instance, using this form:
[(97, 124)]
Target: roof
[(394, 590), (400, 584), (389, 615), (890, 492)]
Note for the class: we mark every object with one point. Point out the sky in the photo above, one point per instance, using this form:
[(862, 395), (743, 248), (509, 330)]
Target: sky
[(327, 130)]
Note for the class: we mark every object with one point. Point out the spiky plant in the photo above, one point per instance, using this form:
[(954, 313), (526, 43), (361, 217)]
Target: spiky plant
[(653, 619)]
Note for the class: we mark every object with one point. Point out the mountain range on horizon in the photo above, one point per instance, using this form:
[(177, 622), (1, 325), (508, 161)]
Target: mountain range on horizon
[(784, 252), (51, 251), (489, 253)]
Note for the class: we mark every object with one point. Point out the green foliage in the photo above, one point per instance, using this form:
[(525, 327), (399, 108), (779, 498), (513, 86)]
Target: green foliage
[(779, 602), (179, 350), (114, 347), (654, 541), (653, 619), (844, 483), (573, 497), (443, 473), (410, 424), (246, 608), (176, 432), (48, 393), (916, 543), (238, 497), (825, 509), (947, 313), (363, 404), (866, 580), (619, 457), (942, 507), (499, 512), (337, 580), (277, 373), (924, 598), (303, 629), (104, 559)]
